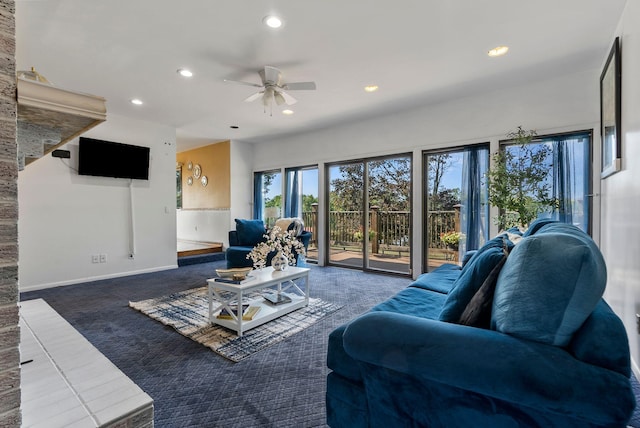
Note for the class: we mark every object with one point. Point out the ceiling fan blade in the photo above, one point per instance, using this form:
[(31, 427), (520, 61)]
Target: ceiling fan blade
[(270, 75), (243, 83), (286, 98), (297, 86), (254, 97)]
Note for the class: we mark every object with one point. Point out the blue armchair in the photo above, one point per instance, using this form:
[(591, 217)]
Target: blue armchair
[(247, 235)]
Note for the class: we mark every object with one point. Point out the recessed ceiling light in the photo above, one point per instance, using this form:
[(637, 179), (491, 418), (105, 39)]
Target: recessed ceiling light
[(287, 112), (136, 101), (272, 21), (498, 51), (371, 88), (184, 72)]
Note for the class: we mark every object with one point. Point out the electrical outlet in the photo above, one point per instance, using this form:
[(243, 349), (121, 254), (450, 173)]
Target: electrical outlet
[(95, 258), (103, 258)]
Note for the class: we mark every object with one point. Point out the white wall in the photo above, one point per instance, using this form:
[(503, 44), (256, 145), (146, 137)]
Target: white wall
[(621, 192), (566, 101), (214, 225), (242, 158), (561, 104), (204, 225), (66, 218)]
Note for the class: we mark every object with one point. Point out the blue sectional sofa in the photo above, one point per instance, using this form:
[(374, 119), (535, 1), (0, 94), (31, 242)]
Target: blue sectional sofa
[(517, 337), (247, 235)]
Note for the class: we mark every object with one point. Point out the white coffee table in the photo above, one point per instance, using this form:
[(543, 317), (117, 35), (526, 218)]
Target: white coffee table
[(281, 282)]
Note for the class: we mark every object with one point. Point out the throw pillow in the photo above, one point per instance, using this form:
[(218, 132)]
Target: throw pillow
[(290, 223), (297, 225), (471, 278), (500, 241), (478, 311), (250, 232), (549, 285), (537, 224)]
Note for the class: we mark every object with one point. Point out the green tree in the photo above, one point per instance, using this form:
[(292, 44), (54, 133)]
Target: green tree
[(276, 201), (519, 182), (307, 201), (390, 184), (346, 193), (446, 200), (438, 165)]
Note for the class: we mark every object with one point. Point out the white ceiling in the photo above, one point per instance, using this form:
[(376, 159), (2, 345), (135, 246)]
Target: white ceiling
[(417, 51)]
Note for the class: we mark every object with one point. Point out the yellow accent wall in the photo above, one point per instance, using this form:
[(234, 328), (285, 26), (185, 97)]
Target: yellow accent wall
[(214, 161)]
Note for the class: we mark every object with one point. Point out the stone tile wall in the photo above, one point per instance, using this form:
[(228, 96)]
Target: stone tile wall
[(9, 331)]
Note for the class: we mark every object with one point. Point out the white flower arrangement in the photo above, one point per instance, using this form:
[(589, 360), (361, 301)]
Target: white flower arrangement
[(281, 242)]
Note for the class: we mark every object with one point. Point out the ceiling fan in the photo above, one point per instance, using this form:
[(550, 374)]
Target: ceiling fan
[(273, 89)]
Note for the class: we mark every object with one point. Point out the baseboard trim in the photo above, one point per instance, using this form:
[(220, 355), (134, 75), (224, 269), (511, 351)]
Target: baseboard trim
[(36, 287)]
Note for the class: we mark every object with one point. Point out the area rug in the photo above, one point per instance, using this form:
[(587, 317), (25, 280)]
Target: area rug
[(187, 312)]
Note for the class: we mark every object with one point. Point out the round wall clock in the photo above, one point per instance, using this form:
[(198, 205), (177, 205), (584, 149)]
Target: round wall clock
[(197, 171), (189, 180), (204, 180), (190, 166)]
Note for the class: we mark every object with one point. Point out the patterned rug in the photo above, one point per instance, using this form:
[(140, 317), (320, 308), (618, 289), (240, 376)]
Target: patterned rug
[(187, 312)]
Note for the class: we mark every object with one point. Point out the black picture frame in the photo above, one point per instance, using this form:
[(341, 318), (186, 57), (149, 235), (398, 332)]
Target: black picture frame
[(610, 108)]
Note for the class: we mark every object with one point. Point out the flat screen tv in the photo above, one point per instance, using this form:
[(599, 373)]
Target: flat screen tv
[(108, 159)]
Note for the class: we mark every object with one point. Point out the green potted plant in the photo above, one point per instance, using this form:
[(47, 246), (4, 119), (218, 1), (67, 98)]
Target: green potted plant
[(518, 181), (452, 239)]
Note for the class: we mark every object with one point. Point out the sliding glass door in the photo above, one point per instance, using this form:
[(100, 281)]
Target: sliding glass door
[(301, 200), (267, 196), (455, 198), (378, 237)]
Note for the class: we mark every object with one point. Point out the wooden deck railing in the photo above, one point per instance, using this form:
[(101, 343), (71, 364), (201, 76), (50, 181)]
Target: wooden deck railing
[(389, 229)]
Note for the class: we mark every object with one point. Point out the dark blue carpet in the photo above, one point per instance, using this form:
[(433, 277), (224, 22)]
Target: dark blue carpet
[(192, 386), (635, 419), (281, 386)]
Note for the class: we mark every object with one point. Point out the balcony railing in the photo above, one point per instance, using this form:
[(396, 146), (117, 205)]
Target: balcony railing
[(388, 229)]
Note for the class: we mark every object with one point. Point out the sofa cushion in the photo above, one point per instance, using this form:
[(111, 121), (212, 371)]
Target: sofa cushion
[(478, 311), (441, 279), (548, 286), (536, 225), (410, 301), (470, 280), (250, 232), (414, 301), (500, 241), (602, 341), (237, 257)]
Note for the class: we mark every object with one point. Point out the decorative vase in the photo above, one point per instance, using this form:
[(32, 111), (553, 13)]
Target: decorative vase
[(279, 262)]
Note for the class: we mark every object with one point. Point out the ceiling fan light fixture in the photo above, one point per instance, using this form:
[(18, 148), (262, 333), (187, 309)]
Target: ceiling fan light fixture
[(371, 88), (272, 21), (185, 72), (498, 51), (279, 98)]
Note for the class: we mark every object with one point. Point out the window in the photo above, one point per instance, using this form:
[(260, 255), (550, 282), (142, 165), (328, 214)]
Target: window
[(301, 200), (267, 196), (456, 217), (568, 161)]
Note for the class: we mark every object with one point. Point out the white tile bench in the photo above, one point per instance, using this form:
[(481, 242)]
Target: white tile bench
[(67, 382)]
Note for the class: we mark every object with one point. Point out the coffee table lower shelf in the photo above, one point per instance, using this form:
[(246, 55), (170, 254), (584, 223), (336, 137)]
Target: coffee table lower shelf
[(267, 312), (280, 282)]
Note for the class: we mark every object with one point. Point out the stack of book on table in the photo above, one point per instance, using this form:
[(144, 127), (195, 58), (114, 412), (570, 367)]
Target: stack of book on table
[(248, 312)]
